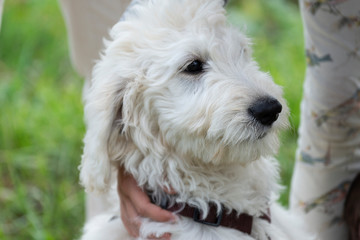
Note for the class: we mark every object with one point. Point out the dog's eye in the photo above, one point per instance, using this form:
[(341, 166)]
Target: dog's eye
[(195, 67)]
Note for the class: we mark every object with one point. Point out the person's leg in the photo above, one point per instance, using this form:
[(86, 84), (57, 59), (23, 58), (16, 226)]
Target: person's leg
[(1, 10), (329, 144), (88, 23)]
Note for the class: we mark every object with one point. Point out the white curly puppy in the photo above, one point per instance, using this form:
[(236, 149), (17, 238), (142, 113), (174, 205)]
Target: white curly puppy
[(178, 101)]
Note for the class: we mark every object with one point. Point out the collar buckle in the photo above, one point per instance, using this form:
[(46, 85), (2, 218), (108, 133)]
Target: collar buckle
[(196, 218)]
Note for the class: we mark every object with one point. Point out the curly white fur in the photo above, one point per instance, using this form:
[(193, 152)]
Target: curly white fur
[(192, 132)]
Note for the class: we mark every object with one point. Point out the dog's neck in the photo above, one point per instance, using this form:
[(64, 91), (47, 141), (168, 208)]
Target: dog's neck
[(245, 188)]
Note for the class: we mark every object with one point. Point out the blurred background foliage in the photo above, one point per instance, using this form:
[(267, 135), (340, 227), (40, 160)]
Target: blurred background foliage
[(41, 124)]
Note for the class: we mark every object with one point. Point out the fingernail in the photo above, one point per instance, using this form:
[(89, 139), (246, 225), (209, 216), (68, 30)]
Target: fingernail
[(174, 218)]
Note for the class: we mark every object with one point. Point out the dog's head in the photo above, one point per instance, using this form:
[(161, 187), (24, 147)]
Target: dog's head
[(176, 79)]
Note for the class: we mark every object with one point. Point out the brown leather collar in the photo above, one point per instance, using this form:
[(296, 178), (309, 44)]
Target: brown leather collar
[(242, 222)]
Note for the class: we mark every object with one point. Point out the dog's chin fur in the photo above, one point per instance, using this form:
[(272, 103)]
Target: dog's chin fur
[(193, 132)]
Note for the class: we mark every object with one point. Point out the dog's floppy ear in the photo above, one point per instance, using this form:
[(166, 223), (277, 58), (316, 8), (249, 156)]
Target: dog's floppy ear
[(103, 107), (113, 81)]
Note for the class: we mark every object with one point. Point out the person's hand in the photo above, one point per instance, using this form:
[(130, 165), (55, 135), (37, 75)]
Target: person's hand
[(134, 203)]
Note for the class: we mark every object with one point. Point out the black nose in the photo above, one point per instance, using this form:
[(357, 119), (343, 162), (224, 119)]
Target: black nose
[(265, 110)]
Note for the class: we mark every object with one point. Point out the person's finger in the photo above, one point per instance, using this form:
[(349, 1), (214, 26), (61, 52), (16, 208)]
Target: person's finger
[(130, 217), (131, 222), (169, 191), (126, 182), (140, 201), (147, 209), (165, 236)]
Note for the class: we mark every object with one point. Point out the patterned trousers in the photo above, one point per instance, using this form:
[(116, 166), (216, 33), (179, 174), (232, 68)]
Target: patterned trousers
[(328, 155)]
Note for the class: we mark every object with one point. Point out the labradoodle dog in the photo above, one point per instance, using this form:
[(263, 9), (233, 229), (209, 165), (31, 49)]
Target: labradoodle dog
[(177, 100)]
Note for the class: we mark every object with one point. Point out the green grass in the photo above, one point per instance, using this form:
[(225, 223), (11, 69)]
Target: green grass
[(276, 29), (41, 124)]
